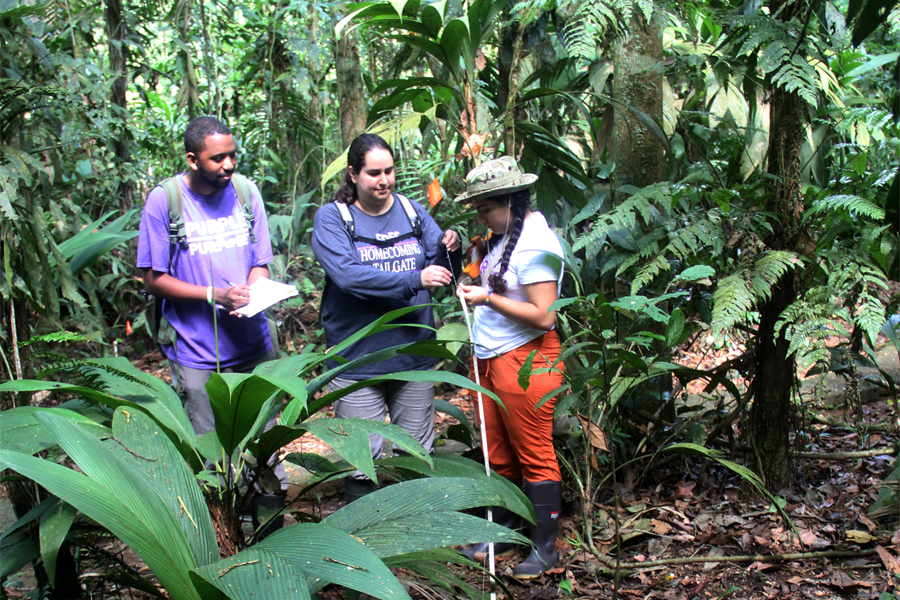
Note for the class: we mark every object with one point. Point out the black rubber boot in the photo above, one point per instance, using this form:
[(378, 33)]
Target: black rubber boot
[(354, 489), (545, 496), (267, 508), (479, 552)]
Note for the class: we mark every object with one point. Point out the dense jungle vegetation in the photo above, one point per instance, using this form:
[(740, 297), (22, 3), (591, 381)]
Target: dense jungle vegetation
[(723, 175)]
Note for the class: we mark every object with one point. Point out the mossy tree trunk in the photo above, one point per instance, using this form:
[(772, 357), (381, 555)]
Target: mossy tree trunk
[(118, 60), (350, 87), (638, 154), (775, 371), (638, 84)]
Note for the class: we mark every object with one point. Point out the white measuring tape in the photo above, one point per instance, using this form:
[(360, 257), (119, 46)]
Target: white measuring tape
[(484, 444)]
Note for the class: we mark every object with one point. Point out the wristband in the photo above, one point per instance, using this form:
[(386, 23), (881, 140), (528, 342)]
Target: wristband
[(487, 300), (210, 295)]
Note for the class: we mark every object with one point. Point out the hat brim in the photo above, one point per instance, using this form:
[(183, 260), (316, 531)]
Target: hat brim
[(526, 180)]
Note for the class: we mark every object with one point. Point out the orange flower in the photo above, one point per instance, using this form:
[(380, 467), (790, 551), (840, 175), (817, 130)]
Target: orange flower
[(128, 329), (434, 192), (476, 253)]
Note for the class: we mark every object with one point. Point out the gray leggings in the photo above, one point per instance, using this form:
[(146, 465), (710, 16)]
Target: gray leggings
[(409, 403), (191, 385)]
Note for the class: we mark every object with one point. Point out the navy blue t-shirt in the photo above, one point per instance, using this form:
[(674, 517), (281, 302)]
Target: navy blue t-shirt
[(366, 281)]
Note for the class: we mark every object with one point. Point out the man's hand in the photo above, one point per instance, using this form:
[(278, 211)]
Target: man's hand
[(233, 297)]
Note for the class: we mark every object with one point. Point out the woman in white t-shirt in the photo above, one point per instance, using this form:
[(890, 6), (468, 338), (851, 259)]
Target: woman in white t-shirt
[(521, 278)]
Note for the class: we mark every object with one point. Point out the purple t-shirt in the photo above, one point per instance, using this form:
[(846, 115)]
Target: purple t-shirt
[(218, 252)]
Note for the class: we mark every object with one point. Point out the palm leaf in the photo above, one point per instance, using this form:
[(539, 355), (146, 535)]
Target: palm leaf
[(350, 439), (169, 476), (421, 514), (324, 552), (255, 573), (124, 521)]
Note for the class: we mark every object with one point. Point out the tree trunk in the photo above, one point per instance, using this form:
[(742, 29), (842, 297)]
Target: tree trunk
[(770, 416), (350, 87), (188, 93), (639, 156), (215, 98), (638, 83), (118, 59)]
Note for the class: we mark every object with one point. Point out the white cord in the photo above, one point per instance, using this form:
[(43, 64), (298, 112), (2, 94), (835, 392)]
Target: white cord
[(484, 445)]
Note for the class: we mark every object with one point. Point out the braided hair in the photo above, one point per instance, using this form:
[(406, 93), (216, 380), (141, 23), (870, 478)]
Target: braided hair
[(520, 204), (356, 158)]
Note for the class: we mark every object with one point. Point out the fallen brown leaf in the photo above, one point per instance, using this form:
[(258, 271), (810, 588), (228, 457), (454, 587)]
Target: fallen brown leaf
[(842, 580), (595, 434), (660, 527), (890, 562)]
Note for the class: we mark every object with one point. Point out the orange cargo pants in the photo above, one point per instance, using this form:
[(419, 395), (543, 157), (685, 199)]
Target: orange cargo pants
[(520, 438)]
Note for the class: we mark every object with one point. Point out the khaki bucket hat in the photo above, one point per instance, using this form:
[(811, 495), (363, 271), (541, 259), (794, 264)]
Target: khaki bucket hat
[(494, 177)]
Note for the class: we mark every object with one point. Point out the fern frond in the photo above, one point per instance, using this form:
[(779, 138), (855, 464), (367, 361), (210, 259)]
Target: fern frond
[(58, 336), (849, 204), (732, 300), (649, 272), (647, 247), (808, 323), (768, 269), (625, 215), (595, 17)]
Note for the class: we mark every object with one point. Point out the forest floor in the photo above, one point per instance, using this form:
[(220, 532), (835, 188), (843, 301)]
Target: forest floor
[(692, 508)]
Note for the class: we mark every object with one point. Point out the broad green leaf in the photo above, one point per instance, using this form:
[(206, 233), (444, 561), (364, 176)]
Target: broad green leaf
[(674, 328), (420, 514), (21, 431), (124, 521), (430, 348), (293, 411), (236, 399), (453, 39), (695, 273), (288, 367), (149, 452), (18, 550), (254, 574), (55, 525), (429, 530), (140, 398), (104, 463), (324, 552), (119, 378), (433, 17), (525, 371), (454, 334), (350, 439)]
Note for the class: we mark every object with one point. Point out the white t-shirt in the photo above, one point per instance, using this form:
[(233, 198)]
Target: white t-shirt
[(537, 257)]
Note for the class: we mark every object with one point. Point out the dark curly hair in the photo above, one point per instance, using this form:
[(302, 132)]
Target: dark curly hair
[(356, 158), (201, 128), (520, 204)]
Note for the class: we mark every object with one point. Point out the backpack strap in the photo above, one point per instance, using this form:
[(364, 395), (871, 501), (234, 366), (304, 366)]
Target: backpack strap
[(172, 187), (414, 222), (411, 214), (244, 195), (348, 220)]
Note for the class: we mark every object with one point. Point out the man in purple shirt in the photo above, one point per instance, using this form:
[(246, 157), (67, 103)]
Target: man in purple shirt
[(208, 271)]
